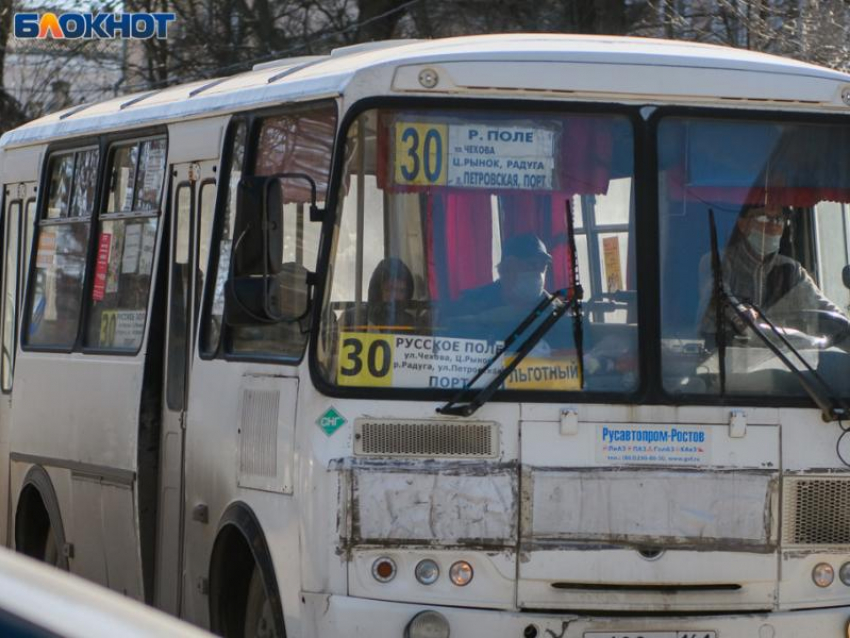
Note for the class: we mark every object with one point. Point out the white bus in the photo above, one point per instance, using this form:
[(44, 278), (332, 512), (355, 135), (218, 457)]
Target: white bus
[(527, 335)]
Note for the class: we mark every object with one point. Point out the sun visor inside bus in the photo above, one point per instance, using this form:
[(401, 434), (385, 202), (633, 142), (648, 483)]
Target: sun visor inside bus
[(587, 152), (753, 163)]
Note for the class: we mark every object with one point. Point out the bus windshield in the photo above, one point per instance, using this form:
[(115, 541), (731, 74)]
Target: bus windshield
[(454, 224), (779, 192)]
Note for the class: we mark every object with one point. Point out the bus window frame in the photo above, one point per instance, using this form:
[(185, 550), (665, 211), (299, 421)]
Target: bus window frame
[(642, 202), (221, 196), (7, 204), (652, 271), (253, 121), (63, 147), (102, 215), (103, 143)]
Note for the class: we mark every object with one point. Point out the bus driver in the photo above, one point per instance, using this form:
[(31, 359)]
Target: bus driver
[(755, 273)]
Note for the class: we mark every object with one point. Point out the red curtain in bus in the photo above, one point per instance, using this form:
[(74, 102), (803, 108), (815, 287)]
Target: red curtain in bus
[(459, 230)]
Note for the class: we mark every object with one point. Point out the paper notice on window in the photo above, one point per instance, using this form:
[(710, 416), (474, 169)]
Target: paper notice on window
[(147, 248), (101, 268), (113, 273), (121, 328), (611, 258), (545, 373), (132, 246), (412, 361), (46, 248), (153, 167), (496, 157)]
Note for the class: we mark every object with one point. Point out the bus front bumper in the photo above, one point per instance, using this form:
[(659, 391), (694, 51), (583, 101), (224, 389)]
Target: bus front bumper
[(330, 616)]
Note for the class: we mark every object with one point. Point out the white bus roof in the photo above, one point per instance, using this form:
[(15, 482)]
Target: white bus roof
[(316, 76)]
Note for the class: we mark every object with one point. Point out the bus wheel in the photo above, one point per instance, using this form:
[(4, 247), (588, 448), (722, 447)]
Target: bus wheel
[(35, 534), (259, 619)]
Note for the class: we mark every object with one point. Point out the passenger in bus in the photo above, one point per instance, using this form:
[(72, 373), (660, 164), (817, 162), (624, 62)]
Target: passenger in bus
[(389, 295), (492, 311), (522, 272), (756, 273)]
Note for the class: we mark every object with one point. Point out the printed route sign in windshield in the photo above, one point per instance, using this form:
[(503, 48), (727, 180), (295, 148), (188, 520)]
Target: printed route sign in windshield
[(504, 156), (412, 361)]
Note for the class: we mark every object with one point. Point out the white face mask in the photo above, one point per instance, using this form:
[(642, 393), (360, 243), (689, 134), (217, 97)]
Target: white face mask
[(527, 286), (762, 243)]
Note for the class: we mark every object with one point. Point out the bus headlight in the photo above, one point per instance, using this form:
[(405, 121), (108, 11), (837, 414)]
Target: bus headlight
[(844, 574), (427, 624), (823, 574), (427, 572), (461, 573)]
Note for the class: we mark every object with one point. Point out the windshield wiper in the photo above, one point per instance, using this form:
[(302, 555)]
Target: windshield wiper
[(825, 397), (551, 309)]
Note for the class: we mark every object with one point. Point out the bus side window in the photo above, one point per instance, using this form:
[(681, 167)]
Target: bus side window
[(126, 240), (55, 297), (10, 274), (299, 141)]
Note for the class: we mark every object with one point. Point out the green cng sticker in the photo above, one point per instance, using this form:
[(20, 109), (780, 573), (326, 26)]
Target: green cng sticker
[(330, 421)]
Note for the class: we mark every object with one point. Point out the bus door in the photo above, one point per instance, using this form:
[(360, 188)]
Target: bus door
[(17, 224), (190, 220)]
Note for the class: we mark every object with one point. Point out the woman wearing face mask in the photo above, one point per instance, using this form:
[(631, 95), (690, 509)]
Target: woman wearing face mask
[(755, 272)]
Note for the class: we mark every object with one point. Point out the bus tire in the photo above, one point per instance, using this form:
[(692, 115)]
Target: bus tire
[(259, 619), (244, 599)]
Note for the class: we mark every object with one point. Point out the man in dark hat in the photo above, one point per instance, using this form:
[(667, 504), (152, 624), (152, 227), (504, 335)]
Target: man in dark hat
[(495, 309)]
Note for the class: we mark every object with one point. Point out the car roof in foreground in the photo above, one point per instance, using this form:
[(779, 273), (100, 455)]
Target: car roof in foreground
[(37, 595)]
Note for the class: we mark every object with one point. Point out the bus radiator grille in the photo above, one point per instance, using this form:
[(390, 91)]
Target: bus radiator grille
[(816, 512), (432, 439)]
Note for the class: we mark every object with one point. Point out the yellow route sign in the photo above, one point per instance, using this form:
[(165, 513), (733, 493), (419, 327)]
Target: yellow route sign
[(421, 154)]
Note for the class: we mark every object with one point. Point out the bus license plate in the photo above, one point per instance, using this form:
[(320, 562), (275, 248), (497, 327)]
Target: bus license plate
[(651, 634)]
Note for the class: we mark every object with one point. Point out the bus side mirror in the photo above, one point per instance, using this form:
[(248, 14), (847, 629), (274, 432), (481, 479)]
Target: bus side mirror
[(284, 297), (845, 276), (258, 246), (263, 290)]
